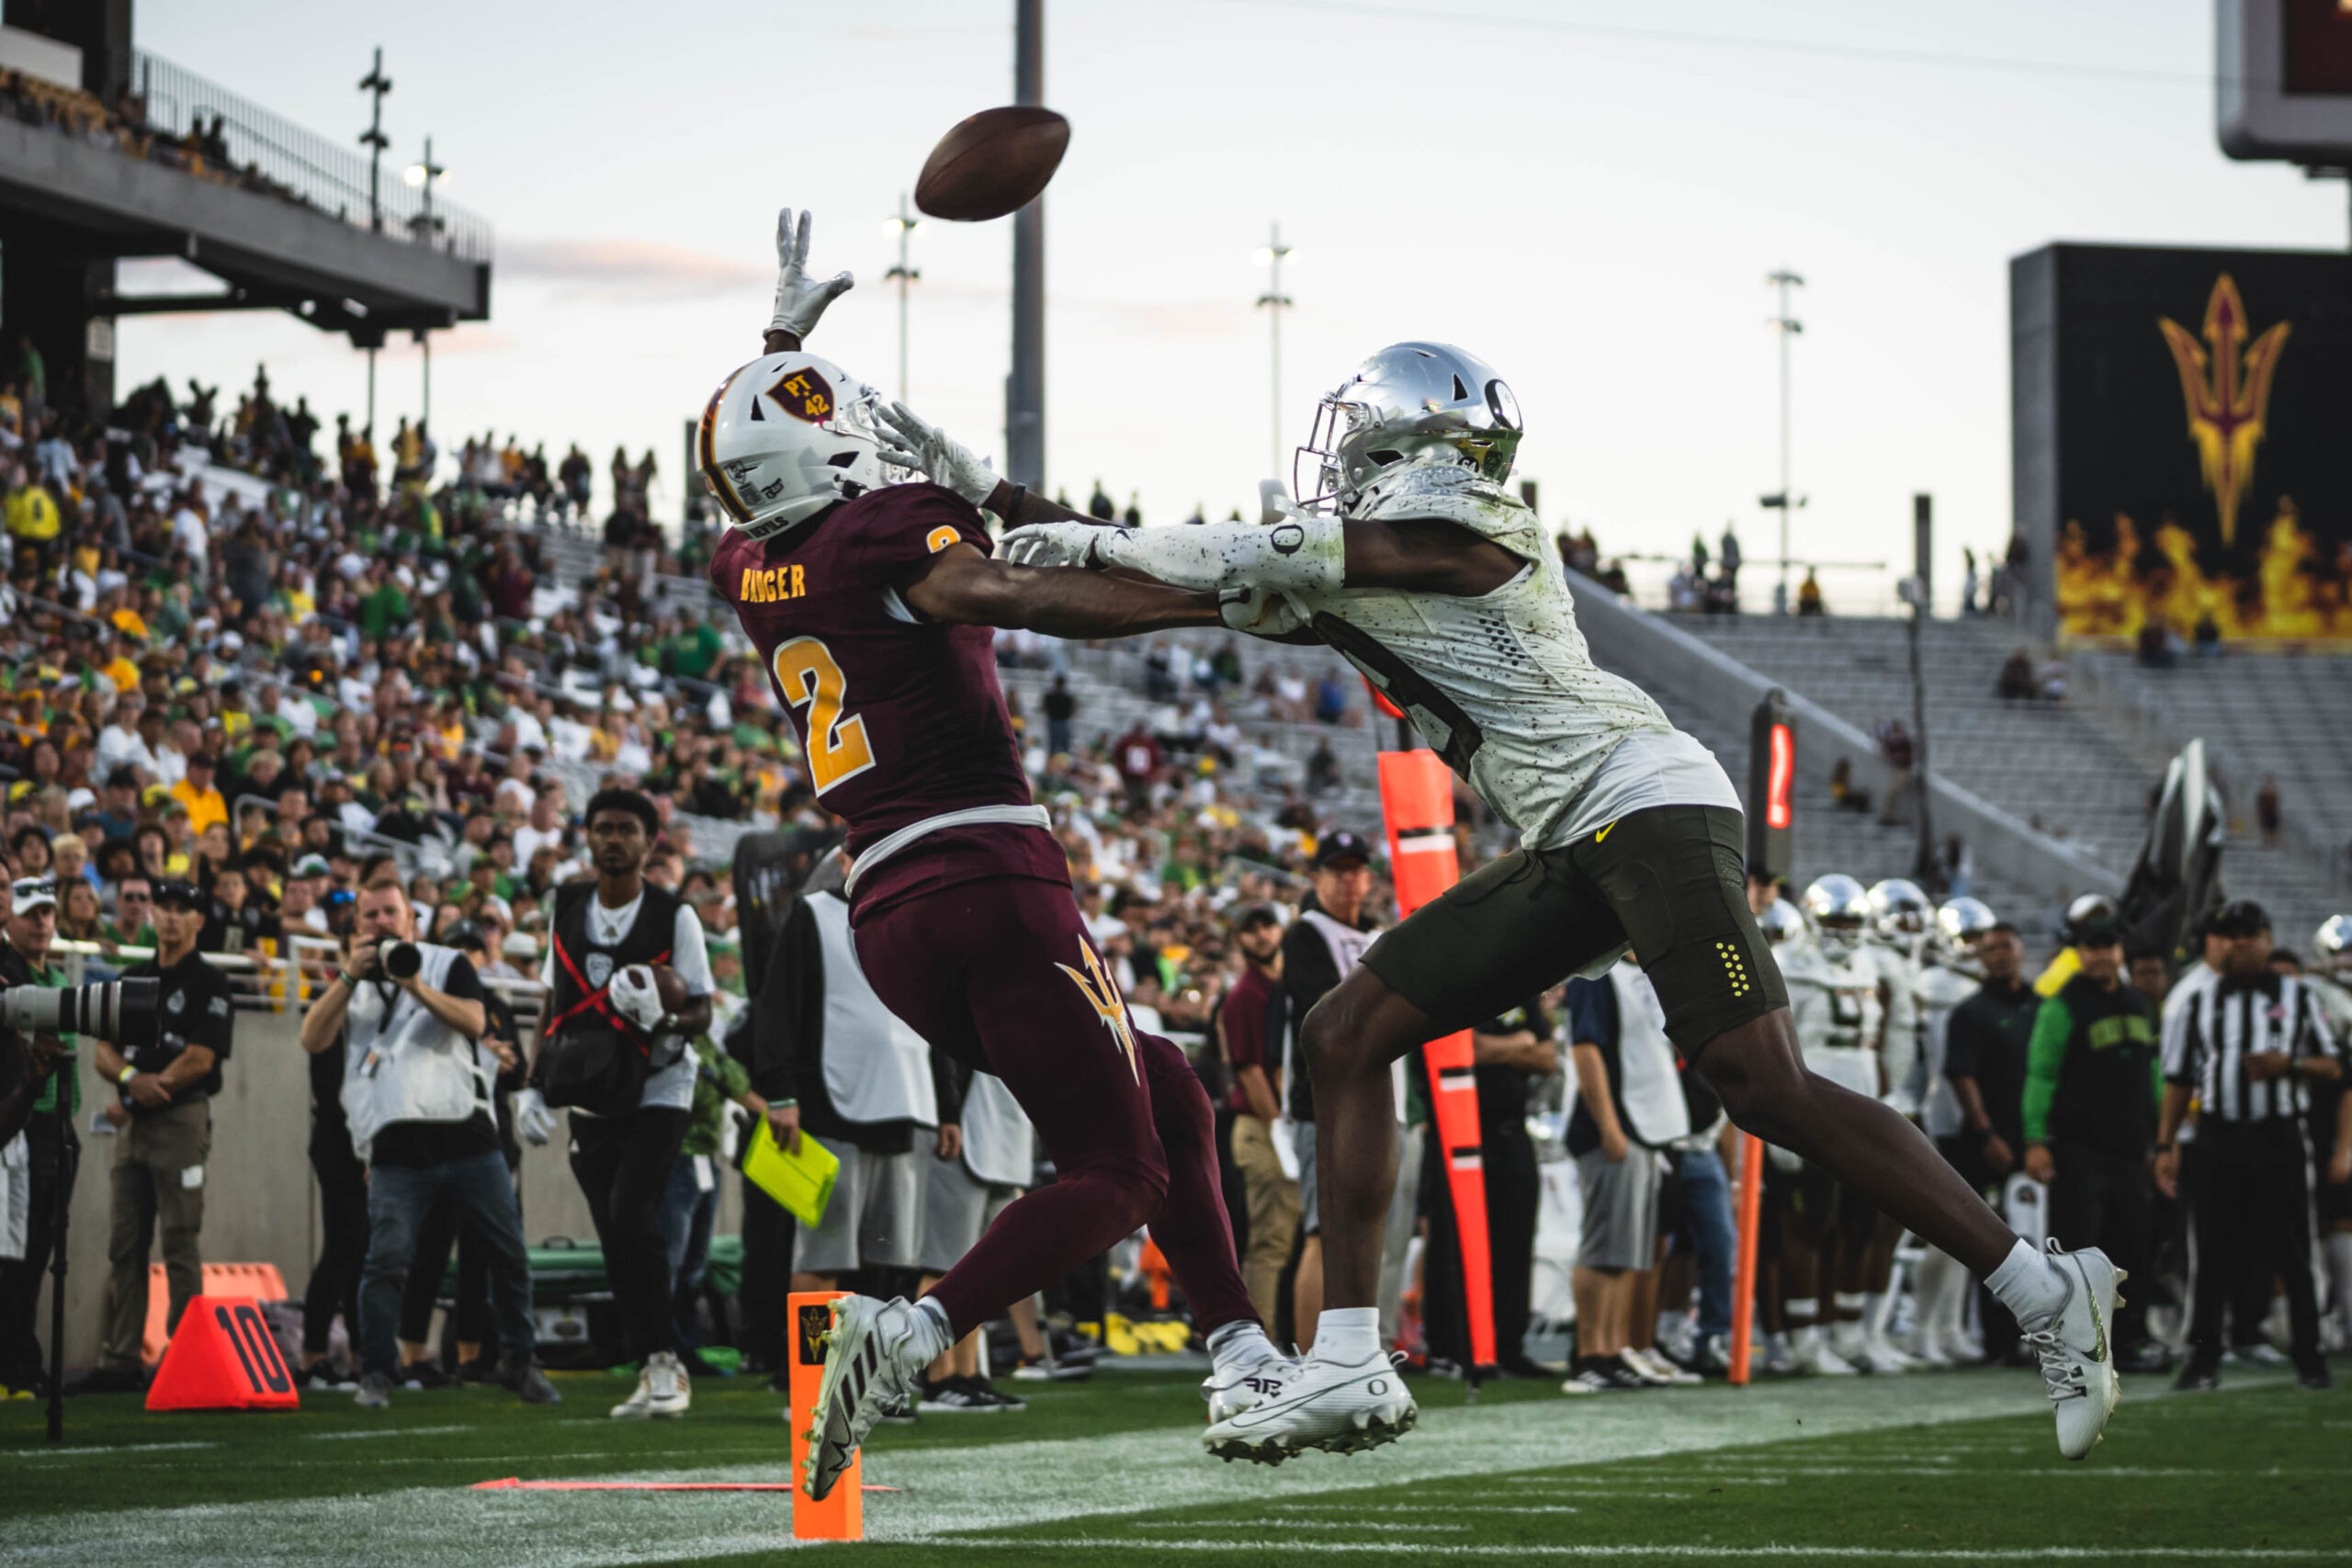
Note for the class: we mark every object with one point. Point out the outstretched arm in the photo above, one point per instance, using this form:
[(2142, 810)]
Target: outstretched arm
[(1298, 553), (962, 586)]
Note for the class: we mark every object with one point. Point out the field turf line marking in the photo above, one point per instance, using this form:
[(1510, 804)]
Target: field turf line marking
[(383, 1432), (67, 1453), (1277, 1549)]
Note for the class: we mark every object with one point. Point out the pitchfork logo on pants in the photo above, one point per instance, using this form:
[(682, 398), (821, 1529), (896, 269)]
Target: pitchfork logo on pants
[(1103, 994)]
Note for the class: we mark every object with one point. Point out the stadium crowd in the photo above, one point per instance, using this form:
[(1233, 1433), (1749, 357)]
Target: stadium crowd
[(249, 684)]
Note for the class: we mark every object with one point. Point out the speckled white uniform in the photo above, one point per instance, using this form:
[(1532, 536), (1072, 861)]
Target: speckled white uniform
[(1834, 1002), (1512, 662)]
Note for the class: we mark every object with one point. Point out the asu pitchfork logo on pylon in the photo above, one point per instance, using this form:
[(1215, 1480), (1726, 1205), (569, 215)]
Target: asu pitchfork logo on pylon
[(2228, 393), (1103, 992)]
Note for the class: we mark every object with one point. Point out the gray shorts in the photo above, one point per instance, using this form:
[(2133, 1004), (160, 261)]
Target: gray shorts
[(1302, 1143), (874, 1220), (1620, 1209), (957, 1210)]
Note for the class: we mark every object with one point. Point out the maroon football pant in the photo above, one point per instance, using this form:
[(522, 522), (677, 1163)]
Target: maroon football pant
[(1000, 974)]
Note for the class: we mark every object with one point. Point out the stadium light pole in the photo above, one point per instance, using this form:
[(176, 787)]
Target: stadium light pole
[(377, 84), (903, 225), (1788, 326), (1024, 411), (424, 226), (1275, 301)]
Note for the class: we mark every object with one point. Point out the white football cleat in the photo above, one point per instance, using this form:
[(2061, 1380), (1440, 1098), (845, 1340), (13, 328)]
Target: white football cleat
[(2077, 1359), (1810, 1356), (1879, 1357), (1251, 1371), (1338, 1408), (870, 1362), (1928, 1349), (667, 1393)]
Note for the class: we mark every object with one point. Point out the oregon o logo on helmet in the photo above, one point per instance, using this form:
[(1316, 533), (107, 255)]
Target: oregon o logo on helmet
[(1287, 538)]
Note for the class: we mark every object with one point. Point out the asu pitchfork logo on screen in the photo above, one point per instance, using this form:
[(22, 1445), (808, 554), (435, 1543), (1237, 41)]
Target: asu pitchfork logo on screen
[(1103, 992), (2228, 393)]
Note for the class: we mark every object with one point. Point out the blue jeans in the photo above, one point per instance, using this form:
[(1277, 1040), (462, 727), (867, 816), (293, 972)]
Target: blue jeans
[(1706, 1202), (686, 1215), (480, 1193)]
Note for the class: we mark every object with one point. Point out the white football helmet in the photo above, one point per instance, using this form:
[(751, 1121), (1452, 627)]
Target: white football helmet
[(785, 437), (2332, 946), (1840, 911), (1410, 403)]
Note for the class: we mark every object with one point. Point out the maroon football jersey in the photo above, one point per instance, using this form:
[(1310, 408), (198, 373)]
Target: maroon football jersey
[(900, 718)]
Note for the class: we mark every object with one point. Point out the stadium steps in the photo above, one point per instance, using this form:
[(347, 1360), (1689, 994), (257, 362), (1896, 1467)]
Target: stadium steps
[(2288, 717), (2050, 765)]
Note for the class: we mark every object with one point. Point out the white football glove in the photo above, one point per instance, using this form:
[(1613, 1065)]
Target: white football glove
[(937, 456), (798, 302), (1260, 611), (637, 998), (532, 1119), (1056, 544)]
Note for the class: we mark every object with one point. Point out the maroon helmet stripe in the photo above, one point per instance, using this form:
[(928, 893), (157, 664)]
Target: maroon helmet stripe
[(720, 485)]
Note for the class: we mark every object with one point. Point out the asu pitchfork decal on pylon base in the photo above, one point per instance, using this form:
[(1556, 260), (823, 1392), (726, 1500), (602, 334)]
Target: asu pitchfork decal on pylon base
[(1103, 992)]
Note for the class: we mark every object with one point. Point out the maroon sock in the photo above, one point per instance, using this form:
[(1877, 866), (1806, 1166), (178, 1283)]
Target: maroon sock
[(1195, 1232), (1040, 1239)]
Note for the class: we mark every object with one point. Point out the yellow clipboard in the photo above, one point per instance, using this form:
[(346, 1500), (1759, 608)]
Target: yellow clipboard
[(801, 1183)]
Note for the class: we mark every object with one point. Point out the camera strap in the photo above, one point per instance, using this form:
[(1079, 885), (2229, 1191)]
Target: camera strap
[(595, 998)]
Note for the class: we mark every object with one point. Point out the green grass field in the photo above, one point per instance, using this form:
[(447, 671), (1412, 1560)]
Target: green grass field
[(1949, 1468)]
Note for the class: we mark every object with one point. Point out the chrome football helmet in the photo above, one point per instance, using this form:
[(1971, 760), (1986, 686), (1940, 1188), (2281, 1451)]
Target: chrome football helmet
[(1964, 919), (2332, 946), (785, 437), (1410, 403), (1900, 913), (1782, 923), (1840, 910)]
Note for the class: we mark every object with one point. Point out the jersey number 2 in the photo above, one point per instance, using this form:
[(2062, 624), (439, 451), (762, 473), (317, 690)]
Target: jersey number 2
[(838, 749)]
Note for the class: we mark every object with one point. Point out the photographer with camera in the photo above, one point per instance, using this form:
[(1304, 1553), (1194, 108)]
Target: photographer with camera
[(416, 1090), (163, 1122), (33, 1069), (617, 1055)]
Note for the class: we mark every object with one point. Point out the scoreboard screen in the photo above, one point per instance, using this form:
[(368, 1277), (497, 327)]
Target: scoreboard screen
[(2318, 38)]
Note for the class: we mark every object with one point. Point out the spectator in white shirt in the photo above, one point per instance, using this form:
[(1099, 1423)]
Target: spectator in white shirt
[(545, 828), (118, 743)]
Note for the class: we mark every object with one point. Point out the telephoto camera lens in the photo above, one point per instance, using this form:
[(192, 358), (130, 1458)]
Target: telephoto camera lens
[(400, 959), (124, 1011)]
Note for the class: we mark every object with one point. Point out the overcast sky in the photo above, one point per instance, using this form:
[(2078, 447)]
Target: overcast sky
[(1587, 196)]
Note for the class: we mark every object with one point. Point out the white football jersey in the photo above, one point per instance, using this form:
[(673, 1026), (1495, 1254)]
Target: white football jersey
[(1899, 1047), (1502, 684), (1926, 1093), (1834, 1002)]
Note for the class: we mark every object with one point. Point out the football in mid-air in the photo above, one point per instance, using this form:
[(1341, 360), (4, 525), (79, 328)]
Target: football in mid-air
[(995, 163)]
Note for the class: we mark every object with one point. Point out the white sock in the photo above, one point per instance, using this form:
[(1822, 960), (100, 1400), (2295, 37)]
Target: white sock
[(2028, 1283), (928, 1338), (1242, 1341), (1349, 1335)]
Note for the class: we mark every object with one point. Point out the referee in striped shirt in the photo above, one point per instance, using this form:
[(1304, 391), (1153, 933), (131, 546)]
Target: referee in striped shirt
[(2249, 1051)]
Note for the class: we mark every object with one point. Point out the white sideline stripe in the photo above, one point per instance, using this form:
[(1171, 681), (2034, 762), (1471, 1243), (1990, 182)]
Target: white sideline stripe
[(1276, 1549), (1291, 1522), (383, 1432), (114, 1448), (991, 1486)]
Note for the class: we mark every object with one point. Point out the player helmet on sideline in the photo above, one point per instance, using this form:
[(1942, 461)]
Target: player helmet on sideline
[(1782, 923), (1900, 912), (1841, 909), (785, 437), (1959, 926), (1410, 403), (1964, 919), (2332, 946)]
